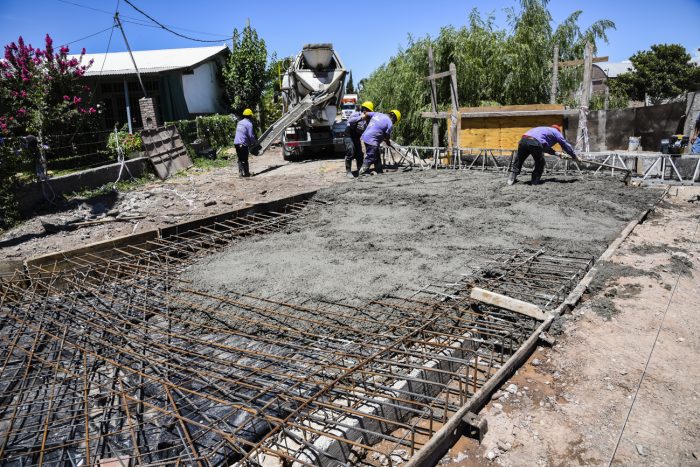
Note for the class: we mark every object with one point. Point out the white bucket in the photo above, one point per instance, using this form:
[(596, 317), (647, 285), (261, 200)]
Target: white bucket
[(634, 143)]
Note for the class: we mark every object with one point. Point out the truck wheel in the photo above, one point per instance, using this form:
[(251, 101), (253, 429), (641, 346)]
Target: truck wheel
[(287, 155)]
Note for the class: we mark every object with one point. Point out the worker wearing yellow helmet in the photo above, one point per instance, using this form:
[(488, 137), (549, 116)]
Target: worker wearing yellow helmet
[(244, 141), (353, 131), (378, 130)]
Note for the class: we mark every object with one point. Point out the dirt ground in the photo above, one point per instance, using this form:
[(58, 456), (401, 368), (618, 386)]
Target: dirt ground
[(195, 194), (620, 385), (404, 230)]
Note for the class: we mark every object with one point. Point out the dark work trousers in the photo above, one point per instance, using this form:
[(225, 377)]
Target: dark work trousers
[(353, 151), (373, 157), (529, 147), (242, 155)]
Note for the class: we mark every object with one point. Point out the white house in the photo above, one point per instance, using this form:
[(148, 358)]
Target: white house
[(183, 82)]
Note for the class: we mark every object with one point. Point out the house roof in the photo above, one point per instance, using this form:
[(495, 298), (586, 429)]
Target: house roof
[(149, 61), (612, 69)]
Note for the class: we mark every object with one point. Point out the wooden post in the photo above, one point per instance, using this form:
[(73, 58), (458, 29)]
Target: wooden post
[(455, 107), (555, 76), (582, 133), (433, 97), (587, 74)]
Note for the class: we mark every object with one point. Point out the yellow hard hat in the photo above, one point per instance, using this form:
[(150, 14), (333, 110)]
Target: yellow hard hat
[(397, 114), (369, 105), (247, 113)]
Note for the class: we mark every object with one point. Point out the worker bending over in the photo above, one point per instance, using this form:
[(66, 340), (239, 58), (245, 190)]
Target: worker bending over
[(244, 141), (378, 129), (356, 126), (533, 143)]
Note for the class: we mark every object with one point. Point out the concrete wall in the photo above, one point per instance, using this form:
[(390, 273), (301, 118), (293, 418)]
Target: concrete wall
[(202, 90), (32, 196), (610, 130)]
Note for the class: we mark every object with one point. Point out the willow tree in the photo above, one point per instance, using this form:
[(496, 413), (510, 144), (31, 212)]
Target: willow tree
[(506, 66)]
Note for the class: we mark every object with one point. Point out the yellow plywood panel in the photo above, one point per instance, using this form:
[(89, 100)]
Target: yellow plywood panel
[(500, 132), (509, 108)]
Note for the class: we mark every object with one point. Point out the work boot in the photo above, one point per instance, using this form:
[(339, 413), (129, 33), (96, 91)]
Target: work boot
[(536, 181), (363, 170), (378, 167), (512, 178)]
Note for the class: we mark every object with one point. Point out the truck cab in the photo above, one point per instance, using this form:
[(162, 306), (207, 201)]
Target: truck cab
[(348, 105)]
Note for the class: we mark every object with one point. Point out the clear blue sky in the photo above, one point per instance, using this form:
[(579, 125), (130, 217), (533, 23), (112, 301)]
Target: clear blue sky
[(366, 34)]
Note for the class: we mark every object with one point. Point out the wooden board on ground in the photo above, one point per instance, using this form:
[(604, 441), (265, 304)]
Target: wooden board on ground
[(508, 303), (166, 150)]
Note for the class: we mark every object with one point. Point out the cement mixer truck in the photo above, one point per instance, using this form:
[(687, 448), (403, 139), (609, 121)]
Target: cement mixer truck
[(312, 89)]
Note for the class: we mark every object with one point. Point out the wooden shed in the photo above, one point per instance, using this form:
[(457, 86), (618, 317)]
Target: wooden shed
[(502, 127)]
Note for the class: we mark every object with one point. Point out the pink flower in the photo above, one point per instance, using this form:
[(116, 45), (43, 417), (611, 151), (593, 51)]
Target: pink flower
[(82, 110), (82, 52), (23, 93), (21, 111), (64, 50), (14, 93), (92, 110), (66, 98), (76, 100)]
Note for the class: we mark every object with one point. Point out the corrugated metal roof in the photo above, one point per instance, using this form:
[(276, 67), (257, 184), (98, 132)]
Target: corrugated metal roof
[(612, 69), (149, 61)]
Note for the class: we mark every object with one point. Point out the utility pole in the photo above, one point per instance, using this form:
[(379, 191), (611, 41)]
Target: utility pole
[(119, 23)]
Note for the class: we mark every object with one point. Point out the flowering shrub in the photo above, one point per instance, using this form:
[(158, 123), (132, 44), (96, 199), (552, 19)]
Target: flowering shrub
[(128, 143), (41, 90)]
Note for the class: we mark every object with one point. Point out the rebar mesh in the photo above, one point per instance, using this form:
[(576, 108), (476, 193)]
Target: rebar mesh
[(114, 358)]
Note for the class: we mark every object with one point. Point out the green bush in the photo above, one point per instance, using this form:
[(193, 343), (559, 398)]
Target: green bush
[(218, 131), (12, 162), (128, 142)]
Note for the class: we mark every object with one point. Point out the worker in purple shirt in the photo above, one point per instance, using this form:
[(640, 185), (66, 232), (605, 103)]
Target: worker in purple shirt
[(244, 141), (356, 126), (378, 129), (534, 143)]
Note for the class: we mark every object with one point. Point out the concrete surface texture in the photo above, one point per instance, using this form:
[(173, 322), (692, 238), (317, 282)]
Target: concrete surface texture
[(620, 386), (404, 230)]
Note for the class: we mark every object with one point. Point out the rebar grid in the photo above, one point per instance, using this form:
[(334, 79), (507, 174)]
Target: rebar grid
[(114, 357), (544, 279), (145, 368)]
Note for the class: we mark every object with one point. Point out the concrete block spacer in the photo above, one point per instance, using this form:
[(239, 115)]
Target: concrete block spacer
[(474, 426)]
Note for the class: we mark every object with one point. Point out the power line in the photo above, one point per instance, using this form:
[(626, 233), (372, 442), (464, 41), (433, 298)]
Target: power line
[(141, 22), (87, 37), (162, 26)]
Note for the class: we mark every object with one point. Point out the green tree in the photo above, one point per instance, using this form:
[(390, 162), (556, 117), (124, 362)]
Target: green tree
[(664, 72), (494, 65), (271, 105), (245, 71), (349, 87)]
